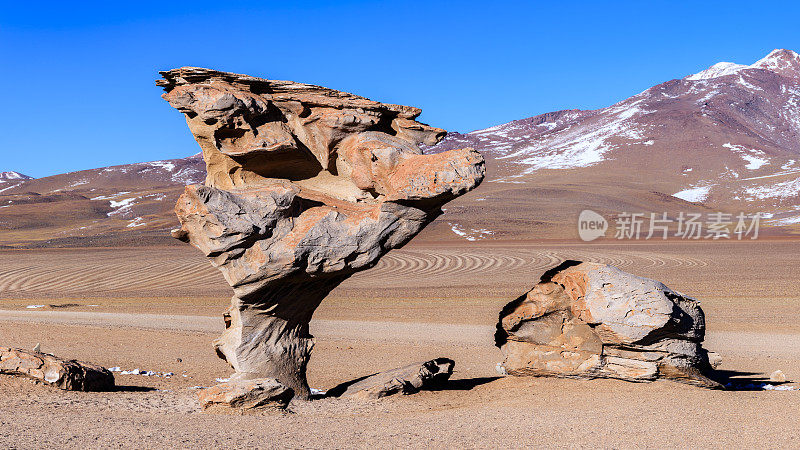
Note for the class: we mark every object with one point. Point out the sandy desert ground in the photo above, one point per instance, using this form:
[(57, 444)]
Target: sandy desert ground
[(158, 308)]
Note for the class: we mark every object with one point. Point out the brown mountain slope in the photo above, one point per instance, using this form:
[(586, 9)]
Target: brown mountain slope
[(119, 205)]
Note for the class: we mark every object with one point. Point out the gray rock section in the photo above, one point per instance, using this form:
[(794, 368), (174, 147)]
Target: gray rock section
[(406, 380)]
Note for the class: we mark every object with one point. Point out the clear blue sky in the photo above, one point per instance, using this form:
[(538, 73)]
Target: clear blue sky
[(77, 77)]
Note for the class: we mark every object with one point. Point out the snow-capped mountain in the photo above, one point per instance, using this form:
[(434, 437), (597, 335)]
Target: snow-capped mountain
[(727, 137), (13, 176), (782, 61)]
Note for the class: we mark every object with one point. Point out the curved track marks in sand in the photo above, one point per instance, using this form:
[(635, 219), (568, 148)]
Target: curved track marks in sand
[(484, 264), (167, 272), (66, 273)]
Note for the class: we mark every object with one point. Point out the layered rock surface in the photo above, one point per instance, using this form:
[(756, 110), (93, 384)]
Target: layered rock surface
[(70, 375), (305, 186), (587, 320)]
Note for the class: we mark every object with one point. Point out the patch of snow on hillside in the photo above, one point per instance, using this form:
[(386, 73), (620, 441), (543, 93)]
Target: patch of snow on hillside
[(473, 235), (166, 165), (459, 230), (122, 206), (493, 129), (115, 169), (187, 175), (791, 108), (750, 86), (755, 158), (784, 189), (109, 197), (122, 203), (754, 162), (583, 145), (9, 187), (137, 222), (730, 173), (785, 221), (693, 194), (707, 97)]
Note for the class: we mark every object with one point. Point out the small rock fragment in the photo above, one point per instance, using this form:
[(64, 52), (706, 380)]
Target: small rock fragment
[(254, 394), (714, 359), (408, 380), (777, 377)]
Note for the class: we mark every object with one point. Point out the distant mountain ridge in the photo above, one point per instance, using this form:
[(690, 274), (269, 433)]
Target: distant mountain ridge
[(724, 139)]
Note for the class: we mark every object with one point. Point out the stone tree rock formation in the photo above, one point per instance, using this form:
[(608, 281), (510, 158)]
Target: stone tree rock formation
[(306, 186), (587, 320)]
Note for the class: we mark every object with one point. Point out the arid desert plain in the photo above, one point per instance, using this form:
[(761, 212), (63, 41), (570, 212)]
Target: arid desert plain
[(158, 309)]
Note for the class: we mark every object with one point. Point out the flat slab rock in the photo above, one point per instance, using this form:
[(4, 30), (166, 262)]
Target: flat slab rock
[(70, 375), (243, 395), (587, 320), (405, 380)]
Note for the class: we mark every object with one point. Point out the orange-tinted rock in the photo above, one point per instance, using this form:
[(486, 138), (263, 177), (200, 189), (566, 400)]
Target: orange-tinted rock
[(306, 186), (70, 375), (587, 320)]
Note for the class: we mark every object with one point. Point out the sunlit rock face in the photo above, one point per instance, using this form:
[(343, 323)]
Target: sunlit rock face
[(305, 186), (587, 320)]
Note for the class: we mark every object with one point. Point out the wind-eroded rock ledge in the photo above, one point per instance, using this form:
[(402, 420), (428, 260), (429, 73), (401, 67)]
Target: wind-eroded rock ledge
[(587, 320), (305, 187)]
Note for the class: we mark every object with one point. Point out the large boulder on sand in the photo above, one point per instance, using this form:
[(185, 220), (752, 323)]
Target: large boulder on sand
[(306, 186), (70, 375), (587, 320)]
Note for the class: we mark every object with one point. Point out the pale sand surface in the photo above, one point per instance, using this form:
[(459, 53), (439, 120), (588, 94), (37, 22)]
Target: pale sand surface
[(156, 306)]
